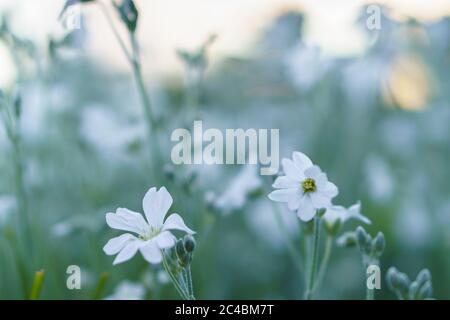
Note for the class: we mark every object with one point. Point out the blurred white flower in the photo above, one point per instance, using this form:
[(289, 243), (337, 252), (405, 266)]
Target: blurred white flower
[(101, 128), (153, 233), (305, 187), (235, 196), (362, 79), (127, 290), (263, 221), (379, 179), (162, 277), (306, 65), (335, 213), (414, 225), (66, 227)]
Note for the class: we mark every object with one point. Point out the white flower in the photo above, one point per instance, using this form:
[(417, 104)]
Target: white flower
[(153, 233), (305, 187), (236, 194), (335, 213)]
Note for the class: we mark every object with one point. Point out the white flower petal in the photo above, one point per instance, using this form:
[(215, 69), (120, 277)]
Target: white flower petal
[(301, 160), (334, 213), (354, 212), (114, 245), (313, 172), (165, 240), (126, 220), (175, 222), (151, 252), (320, 200), (294, 200), (291, 170), (321, 180), (127, 252), (156, 204), (306, 210), (282, 195), (330, 190), (285, 182)]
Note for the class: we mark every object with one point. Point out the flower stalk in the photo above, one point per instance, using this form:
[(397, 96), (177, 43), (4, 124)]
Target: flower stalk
[(314, 258)]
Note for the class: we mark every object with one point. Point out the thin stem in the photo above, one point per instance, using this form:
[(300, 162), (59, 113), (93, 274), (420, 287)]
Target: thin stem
[(314, 258), (290, 244), (133, 59), (116, 33), (189, 280), (175, 282), (325, 260), (100, 286), (370, 294), (137, 72), (37, 285)]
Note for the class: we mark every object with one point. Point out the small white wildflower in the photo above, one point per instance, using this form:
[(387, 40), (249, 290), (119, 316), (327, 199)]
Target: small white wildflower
[(335, 213), (162, 277), (236, 194), (305, 188), (153, 233), (127, 290)]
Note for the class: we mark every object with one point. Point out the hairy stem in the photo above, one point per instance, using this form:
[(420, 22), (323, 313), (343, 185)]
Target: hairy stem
[(314, 258), (325, 261), (174, 280)]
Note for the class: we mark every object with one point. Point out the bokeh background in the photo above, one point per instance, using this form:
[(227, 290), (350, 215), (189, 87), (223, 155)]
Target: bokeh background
[(371, 107)]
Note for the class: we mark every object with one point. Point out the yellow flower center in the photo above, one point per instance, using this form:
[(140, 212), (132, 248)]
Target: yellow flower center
[(309, 185)]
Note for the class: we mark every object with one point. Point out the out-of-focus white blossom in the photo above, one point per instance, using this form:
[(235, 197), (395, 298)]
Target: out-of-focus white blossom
[(127, 290), (236, 194)]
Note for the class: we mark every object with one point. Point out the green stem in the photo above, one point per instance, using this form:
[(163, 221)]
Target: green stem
[(325, 260), (290, 243), (137, 72), (189, 280), (115, 32), (133, 59), (370, 294), (314, 258), (175, 282), (100, 286), (37, 285)]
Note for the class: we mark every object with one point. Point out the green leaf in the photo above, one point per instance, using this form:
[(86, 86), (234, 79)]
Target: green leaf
[(37, 285)]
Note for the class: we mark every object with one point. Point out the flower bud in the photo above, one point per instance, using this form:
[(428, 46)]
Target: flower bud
[(347, 240), (333, 228), (189, 243), (413, 290), (181, 252), (402, 283), (361, 237), (321, 212), (426, 291), (423, 277), (128, 13), (378, 244)]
